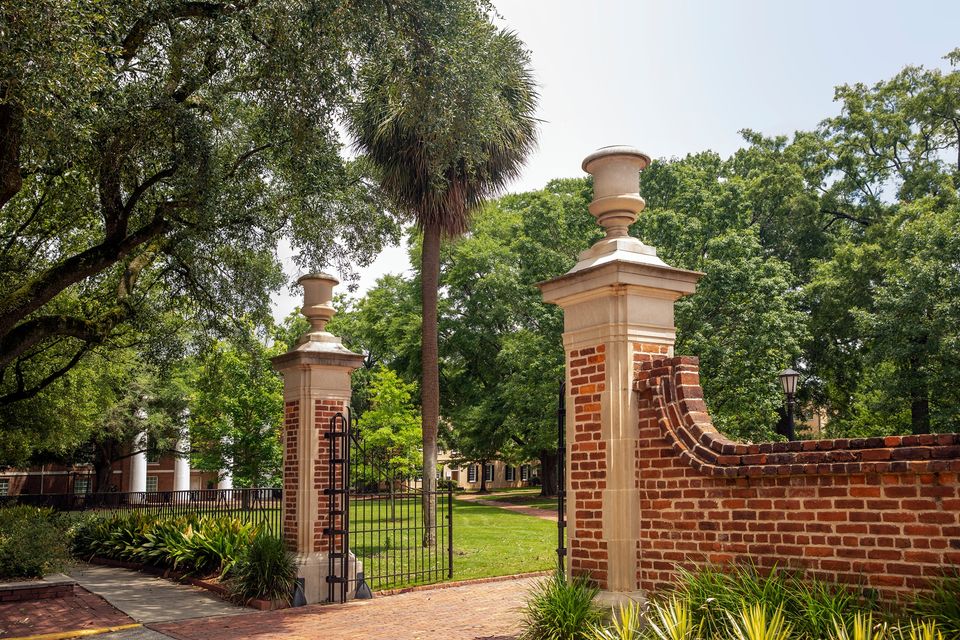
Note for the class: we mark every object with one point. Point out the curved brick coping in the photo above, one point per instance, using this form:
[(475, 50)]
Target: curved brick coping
[(674, 386)]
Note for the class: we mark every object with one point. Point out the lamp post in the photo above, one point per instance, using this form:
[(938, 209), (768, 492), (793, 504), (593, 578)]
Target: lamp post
[(788, 380)]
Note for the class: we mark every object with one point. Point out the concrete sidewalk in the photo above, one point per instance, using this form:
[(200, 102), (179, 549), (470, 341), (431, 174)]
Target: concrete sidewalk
[(147, 598)]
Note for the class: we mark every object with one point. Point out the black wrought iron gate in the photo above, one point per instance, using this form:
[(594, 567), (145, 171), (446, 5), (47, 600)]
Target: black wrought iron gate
[(562, 478), (377, 536)]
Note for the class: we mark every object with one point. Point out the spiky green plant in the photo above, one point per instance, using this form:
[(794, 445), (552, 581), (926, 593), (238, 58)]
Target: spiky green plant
[(921, 630), (627, 624), (266, 571), (942, 605), (561, 609), (860, 627), (753, 623), (672, 620)]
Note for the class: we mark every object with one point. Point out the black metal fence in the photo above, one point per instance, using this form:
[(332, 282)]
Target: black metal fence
[(263, 506), (379, 518)]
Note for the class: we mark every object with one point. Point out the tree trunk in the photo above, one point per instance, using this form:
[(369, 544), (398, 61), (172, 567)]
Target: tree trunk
[(548, 473), (430, 376), (105, 454), (919, 399), (483, 477)]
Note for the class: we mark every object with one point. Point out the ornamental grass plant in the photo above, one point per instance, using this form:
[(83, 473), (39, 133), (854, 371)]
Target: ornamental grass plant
[(561, 609), (266, 571), (740, 603)]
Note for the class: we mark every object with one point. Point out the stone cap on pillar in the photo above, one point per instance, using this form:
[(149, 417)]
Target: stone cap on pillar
[(616, 205), (656, 281), (318, 346), (618, 260)]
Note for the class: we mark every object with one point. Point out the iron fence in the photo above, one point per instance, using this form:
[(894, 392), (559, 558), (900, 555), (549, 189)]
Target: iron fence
[(263, 506), (377, 534)]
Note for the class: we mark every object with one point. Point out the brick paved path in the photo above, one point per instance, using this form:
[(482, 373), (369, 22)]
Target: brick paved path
[(488, 611), (82, 610)]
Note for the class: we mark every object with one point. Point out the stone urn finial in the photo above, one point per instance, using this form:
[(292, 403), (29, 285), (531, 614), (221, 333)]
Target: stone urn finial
[(318, 299), (616, 187), (616, 204)]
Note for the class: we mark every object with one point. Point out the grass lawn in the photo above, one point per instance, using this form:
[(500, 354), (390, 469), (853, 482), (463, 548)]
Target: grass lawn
[(487, 541)]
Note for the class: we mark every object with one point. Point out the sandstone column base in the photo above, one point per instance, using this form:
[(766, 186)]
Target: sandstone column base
[(313, 569)]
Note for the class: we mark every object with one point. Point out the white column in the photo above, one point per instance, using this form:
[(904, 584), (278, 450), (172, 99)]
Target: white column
[(226, 474), (181, 464), (138, 464)]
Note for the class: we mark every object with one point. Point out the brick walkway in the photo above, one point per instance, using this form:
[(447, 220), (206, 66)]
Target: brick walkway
[(487, 611), (536, 512), (83, 610)]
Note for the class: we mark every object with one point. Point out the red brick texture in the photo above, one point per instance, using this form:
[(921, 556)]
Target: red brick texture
[(291, 427), (324, 411), (587, 462), (883, 513)]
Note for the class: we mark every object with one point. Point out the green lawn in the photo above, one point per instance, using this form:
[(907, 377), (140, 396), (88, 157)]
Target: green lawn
[(487, 541)]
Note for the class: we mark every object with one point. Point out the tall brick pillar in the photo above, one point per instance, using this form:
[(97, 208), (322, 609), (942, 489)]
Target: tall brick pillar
[(618, 310), (316, 385)]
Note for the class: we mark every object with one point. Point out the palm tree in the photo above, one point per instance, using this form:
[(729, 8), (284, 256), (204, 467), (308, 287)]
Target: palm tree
[(446, 124)]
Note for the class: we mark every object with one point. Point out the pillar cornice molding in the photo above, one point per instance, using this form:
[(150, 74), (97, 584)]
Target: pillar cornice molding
[(620, 278)]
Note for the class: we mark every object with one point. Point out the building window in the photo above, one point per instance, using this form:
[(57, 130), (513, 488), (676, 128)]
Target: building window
[(151, 483), (4, 486), (81, 485), (488, 472), (511, 473), (472, 473), (524, 472)]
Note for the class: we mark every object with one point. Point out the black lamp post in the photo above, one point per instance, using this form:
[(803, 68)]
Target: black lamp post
[(788, 380)]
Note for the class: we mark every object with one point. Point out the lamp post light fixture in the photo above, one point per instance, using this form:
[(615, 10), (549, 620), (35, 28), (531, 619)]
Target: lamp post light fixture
[(788, 380)]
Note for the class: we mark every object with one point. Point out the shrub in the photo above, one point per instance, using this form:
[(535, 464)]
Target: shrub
[(941, 605), (266, 571), (197, 545), (809, 607), (627, 624), (560, 609), (32, 542)]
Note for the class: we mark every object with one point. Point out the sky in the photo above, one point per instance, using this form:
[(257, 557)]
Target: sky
[(674, 77)]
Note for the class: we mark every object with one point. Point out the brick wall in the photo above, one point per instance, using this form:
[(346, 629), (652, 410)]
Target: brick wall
[(882, 512), (325, 411), (291, 427), (587, 461)]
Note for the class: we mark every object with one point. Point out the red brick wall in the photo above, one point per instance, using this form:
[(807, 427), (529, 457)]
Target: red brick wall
[(882, 512), (587, 462), (291, 427), (325, 411)]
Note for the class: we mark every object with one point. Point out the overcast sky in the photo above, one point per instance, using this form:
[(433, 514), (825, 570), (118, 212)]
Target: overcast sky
[(674, 77)]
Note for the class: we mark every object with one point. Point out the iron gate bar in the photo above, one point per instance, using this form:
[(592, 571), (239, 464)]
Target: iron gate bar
[(561, 477), (339, 439)]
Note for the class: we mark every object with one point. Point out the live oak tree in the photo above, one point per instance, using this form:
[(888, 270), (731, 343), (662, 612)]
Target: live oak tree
[(152, 155), (446, 123)]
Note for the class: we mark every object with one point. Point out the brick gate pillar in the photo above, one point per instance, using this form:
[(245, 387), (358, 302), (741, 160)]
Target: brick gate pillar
[(316, 385), (618, 310)]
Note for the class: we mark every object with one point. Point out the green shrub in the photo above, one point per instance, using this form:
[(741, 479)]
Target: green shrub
[(196, 545), (809, 607), (32, 542), (941, 605), (266, 571), (560, 609)]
